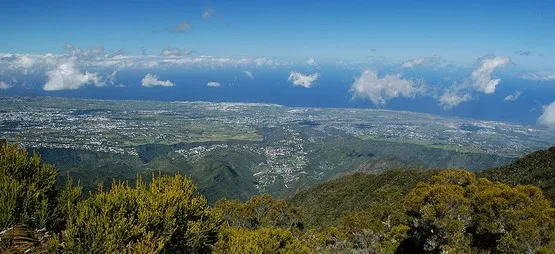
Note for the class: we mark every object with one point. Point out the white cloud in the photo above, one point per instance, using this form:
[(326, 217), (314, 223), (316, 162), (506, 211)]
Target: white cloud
[(68, 77), (151, 80), (480, 80), (171, 52), (213, 84), (311, 61), (451, 99), (68, 46), (300, 79), (513, 97), (4, 85), (249, 74), (379, 90), (112, 78), (548, 116), (539, 76), (207, 13), (421, 61), (481, 76), (24, 62), (182, 27)]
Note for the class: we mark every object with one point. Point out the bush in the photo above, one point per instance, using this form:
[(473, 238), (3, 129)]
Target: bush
[(263, 240), (26, 188), (167, 216), (458, 212)]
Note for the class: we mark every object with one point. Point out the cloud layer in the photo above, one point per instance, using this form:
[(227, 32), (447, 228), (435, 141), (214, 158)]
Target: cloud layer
[(151, 80), (380, 90), (299, 79)]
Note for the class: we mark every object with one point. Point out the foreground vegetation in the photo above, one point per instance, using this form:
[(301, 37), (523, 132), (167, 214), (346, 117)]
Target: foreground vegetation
[(400, 211)]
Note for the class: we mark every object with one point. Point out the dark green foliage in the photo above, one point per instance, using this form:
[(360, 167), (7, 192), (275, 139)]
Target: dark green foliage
[(382, 226), (67, 199), (323, 205), (260, 241), (537, 168), (459, 213), (26, 188), (260, 211)]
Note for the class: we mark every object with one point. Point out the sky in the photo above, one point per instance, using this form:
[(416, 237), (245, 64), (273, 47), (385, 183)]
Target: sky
[(346, 30), (390, 49)]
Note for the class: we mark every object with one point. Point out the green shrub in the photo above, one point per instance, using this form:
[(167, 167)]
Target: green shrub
[(26, 188), (167, 216)]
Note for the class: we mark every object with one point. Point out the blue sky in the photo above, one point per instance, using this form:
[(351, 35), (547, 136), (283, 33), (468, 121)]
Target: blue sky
[(451, 57), (348, 30)]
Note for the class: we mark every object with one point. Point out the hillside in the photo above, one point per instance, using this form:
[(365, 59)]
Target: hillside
[(324, 204), (537, 168)]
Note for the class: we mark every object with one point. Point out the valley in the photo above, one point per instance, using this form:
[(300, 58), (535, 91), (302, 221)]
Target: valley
[(237, 150)]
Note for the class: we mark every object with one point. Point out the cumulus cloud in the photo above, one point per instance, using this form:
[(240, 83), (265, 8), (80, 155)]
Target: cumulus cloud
[(299, 79), (379, 90), (311, 61), (451, 99), (182, 27), (4, 85), (480, 80), (207, 13), (213, 84), (481, 76), (249, 74), (548, 116), (539, 76), (68, 77), (421, 61), (513, 97), (151, 80)]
